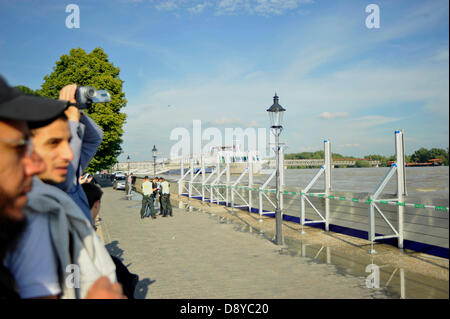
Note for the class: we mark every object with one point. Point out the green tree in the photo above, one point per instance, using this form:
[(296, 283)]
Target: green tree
[(93, 69), (337, 155), (441, 154), (26, 90), (422, 155), (362, 164), (376, 157)]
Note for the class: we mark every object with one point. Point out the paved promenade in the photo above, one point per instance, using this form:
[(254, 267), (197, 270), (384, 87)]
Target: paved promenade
[(195, 255)]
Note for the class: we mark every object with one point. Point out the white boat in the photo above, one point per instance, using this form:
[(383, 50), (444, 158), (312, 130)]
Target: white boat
[(238, 159)]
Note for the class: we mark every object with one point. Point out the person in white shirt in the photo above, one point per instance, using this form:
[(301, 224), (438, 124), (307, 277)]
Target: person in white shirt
[(166, 207), (148, 191)]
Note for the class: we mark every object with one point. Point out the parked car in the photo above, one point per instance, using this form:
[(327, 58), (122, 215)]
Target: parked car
[(118, 173), (119, 182)]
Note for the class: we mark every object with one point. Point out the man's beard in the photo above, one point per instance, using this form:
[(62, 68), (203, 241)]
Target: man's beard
[(10, 229)]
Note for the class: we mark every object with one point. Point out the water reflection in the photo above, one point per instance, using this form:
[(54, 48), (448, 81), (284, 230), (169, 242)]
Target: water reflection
[(393, 281)]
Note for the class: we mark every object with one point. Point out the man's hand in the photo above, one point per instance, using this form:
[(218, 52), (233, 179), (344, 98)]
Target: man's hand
[(104, 289), (67, 93)]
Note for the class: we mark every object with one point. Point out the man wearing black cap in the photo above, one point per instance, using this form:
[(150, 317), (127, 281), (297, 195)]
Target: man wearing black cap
[(18, 163)]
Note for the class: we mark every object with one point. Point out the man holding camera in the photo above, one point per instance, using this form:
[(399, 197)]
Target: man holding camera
[(59, 254), (86, 138)]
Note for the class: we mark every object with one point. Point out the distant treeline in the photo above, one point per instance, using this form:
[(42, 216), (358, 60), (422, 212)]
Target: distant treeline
[(422, 155)]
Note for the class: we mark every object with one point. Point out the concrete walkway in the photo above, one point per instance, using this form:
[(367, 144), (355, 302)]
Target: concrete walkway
[(194, 255)]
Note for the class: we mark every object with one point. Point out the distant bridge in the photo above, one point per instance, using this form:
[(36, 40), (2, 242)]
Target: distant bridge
[(145, 167), (148, 165), (320, 162)]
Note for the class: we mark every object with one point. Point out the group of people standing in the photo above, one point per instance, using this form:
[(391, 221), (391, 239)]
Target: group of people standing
[(150, 191), (48, 245)]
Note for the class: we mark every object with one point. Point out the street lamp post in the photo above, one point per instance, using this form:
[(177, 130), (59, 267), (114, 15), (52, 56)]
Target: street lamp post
[(128, 161), (127, 183), (154, 150), (276, 119)]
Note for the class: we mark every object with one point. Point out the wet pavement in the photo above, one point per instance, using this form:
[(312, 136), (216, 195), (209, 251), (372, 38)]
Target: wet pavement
[(206, 251)]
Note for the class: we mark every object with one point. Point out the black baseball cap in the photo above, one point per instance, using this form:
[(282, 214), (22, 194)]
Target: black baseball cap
[(15, 105)]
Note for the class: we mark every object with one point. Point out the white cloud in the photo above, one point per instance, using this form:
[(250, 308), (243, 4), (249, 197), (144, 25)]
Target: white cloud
[(167, 5), (242, 92), (328, 115), (233, 7), (276, 7), (199, 8)]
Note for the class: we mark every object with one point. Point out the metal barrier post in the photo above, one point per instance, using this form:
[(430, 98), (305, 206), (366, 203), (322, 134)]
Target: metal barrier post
[(371, 231), (232, 197), (192, 177), (401, 187), (327, 151), (227, 189), (181, 180), (281, 170), (203, 178), (399, 168), (325, 169), (180, 186), (250, 180), (261, 193), (260, 202), (302, 210)]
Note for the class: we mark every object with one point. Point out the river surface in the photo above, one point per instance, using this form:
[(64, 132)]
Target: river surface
[(431, 183)]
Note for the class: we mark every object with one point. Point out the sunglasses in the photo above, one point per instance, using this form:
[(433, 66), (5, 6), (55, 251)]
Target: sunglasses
[(23, 145)]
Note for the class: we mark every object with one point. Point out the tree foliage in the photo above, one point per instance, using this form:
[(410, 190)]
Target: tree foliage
[(26, 90), (421, 155), (362, 164), (93, 69)]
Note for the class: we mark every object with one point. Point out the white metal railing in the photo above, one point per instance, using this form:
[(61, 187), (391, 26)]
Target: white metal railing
[(399, 168), (230, 192), (325, 169)]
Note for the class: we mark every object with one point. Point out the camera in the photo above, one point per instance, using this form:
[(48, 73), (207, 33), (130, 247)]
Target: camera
[(86, 95)]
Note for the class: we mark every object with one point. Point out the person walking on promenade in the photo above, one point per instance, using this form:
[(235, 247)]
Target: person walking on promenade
[(147, 198), (155, 185), (129, 182), (133, 182), (158, 183), (165, 195)]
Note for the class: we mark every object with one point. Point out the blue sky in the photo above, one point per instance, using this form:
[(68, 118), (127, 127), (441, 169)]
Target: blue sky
[(222, 61)]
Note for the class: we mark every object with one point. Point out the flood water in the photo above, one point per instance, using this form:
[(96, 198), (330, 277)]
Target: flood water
[(394, 282), (424, 185), (428, 183)]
